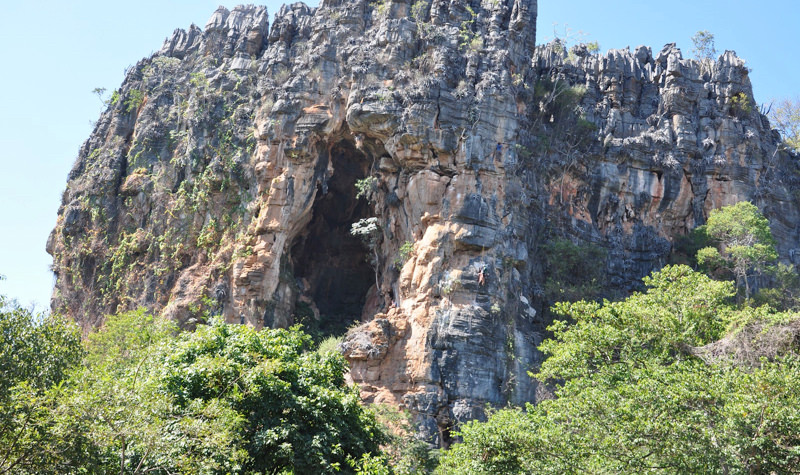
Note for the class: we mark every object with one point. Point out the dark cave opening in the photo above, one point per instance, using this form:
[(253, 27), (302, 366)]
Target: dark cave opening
[(330, 265)]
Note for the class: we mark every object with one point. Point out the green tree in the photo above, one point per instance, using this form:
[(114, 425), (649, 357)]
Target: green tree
[(297, 412), (567, 275), (36, 354), (501, 445), (785, 117), (100, 92), (369, 232), (134, 101), (221, 399), (115, 395), (406, 453), (745, 242), (704, 49), (784, 293), (366, 188), (645, 386)]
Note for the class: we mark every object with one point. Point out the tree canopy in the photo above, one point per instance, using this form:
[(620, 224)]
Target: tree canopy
[(638, 391), (145, 398), (36, 353), (785, 117), (744, 242), (704, 49)]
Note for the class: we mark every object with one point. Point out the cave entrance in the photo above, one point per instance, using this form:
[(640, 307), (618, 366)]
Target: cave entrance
[(331, 268)]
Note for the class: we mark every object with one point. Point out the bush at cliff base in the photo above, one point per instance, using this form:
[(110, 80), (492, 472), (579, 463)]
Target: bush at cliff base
[(221, 399), (672, 380), (36, 354)]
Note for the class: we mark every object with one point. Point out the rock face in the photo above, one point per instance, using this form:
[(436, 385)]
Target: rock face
[(223, 178)]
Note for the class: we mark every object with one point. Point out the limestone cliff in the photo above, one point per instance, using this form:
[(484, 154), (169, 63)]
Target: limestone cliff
[(222, 178)]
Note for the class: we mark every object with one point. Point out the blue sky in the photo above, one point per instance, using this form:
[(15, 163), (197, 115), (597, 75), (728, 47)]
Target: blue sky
[(54, 53)]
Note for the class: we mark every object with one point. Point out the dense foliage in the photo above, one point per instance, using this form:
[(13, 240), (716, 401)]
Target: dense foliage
[(144, 398), (36, 352), (567, 275), (296, 411), (785, 117), (646, 386), (745, 245), (704, 49)]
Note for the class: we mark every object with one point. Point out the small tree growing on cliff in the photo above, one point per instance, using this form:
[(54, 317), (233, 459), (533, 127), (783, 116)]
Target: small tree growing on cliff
[(785, 117), (369, 231), (366, 188), (704, 49), (745, 241), (100, 92)]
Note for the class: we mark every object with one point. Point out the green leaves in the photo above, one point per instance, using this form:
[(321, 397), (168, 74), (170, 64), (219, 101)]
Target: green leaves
[(366, 188), (501, 445), (37, 349), (739, 225), (785, 117), (745, 242), (36, 354), (680, 308), (222, 399), (645, 387), (245, 401), (568, 275), (134, 101), (704, 46)]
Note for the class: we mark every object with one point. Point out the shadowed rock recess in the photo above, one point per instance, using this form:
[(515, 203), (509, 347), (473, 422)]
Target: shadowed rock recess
[(221, 178)]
